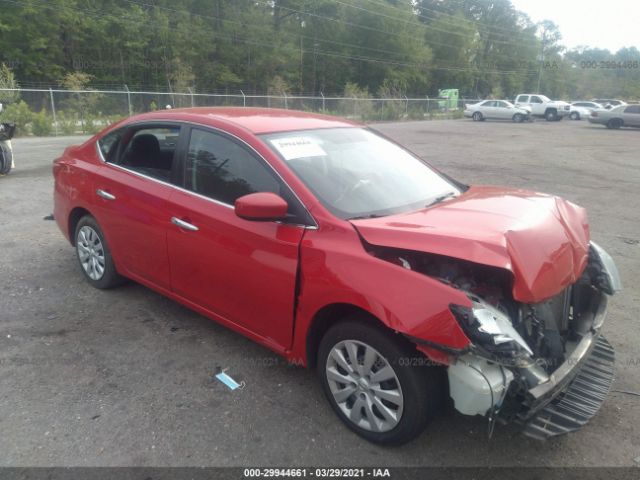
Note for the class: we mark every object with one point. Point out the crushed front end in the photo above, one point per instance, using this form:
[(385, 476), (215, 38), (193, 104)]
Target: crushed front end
[(543, 365)]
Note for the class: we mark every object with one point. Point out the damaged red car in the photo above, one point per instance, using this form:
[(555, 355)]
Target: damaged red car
[(340, 250)]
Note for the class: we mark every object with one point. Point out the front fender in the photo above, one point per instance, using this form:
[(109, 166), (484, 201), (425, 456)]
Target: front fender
[(335, 268)]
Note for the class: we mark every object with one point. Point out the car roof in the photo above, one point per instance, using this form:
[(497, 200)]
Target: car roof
[(256, 120)]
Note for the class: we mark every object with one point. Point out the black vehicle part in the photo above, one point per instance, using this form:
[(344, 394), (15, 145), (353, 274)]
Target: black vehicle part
[(6, 157), (580, 400)]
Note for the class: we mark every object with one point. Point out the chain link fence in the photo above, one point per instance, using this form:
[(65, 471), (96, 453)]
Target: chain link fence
[(43, 112)]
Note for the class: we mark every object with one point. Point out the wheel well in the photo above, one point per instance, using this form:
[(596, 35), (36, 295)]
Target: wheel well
[(328, 316), (551, 109), (74, 217)]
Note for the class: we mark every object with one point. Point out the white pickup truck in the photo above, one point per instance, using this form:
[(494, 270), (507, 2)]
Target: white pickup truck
[(542, 106)]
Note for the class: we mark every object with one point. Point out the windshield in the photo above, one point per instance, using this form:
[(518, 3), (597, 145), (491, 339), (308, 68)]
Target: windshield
[(358, 174)]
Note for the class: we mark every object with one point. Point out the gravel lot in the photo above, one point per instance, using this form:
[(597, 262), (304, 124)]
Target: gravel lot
[(124, 377)]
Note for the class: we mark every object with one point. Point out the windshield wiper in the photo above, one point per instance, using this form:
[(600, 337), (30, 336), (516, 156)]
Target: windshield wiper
[(441, 198)]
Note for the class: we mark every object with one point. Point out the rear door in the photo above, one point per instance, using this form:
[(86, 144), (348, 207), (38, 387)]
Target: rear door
[(242, 271), (132, 188)]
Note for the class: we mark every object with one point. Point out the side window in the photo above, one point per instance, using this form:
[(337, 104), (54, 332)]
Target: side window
[(108, 145), (223, 170), (151, 151), (632, 109), (522, 99), (535, 99), (501, 104)]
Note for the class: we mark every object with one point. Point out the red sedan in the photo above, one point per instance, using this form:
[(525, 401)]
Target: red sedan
[(344, 252)]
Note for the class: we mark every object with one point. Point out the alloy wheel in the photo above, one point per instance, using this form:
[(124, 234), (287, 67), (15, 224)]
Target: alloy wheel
[(364, 386), (91, 252)]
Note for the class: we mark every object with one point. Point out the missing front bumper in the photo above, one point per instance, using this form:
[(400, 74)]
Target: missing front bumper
[(579, 400)]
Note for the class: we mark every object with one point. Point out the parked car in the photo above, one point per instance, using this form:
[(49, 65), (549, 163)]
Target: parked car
[(622, 116), (496, 110), (342, 251), (609, 103), (542, 106), (580, 110)]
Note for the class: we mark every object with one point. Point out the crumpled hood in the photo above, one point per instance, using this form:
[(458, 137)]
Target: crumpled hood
[(543, 240)]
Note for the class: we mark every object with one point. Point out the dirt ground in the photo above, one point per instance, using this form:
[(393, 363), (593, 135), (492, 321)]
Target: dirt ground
[(124, 377)]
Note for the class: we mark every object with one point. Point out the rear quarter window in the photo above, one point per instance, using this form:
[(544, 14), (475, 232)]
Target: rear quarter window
[(109, 144)]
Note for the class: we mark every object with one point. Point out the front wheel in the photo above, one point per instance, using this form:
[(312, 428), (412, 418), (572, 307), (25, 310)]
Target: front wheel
[(381, 388), (518, 118), (551, 115), (575, 116), (94, 256)]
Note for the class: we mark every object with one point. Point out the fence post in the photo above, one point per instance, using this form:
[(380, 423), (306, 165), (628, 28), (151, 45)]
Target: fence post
[(286, 106), (191, 93), (244, 99), (53, 112), (128, 99), (323, 105), (406, 106)]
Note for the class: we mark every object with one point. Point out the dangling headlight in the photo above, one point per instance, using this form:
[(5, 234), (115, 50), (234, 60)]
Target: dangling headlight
[(490, 328)]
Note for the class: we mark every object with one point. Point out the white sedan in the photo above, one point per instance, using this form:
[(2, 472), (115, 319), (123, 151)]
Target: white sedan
[(580, 110), (498, 110)]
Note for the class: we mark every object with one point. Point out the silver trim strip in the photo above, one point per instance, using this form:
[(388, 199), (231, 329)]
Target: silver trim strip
[(217, 202)]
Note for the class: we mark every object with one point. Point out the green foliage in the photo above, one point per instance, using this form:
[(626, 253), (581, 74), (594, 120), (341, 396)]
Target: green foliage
[(362, 108), (7, 80), (41, 124), (20, 114), (480, 47), (67, 122)]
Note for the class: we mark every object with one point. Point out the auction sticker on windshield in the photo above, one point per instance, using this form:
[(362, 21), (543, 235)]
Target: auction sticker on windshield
[(292, 148)]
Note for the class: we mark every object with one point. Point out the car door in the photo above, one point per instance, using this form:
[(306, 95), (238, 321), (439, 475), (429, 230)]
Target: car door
[(522, 100), (631, 116), (243, 272), (132, 188), (488, 109), (503, 111), (537, 105)]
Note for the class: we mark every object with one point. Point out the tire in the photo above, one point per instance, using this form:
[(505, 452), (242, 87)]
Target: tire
[(477, 117), (518, 118), (575, 116), (94, 256), (551, 115), (6, 158), (614, 123), (411, 393)]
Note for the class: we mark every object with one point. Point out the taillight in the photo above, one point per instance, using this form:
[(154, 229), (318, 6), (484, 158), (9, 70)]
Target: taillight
[(594, 114)]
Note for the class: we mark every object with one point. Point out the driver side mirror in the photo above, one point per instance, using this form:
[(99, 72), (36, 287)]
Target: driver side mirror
[(261, 206)]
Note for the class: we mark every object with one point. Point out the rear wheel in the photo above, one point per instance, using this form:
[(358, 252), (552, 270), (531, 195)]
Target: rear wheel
[(614, 123), (575, 116), (477, 117), (381, 388), (94, 255)]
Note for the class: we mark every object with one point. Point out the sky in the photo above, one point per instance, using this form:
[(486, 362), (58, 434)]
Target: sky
[(610, 24)]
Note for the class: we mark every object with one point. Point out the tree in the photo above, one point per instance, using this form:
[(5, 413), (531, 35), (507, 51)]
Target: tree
[(8, 81)]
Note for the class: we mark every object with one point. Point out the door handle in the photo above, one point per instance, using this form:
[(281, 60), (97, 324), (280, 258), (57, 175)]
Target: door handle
[(184, 225), (105, 195)]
